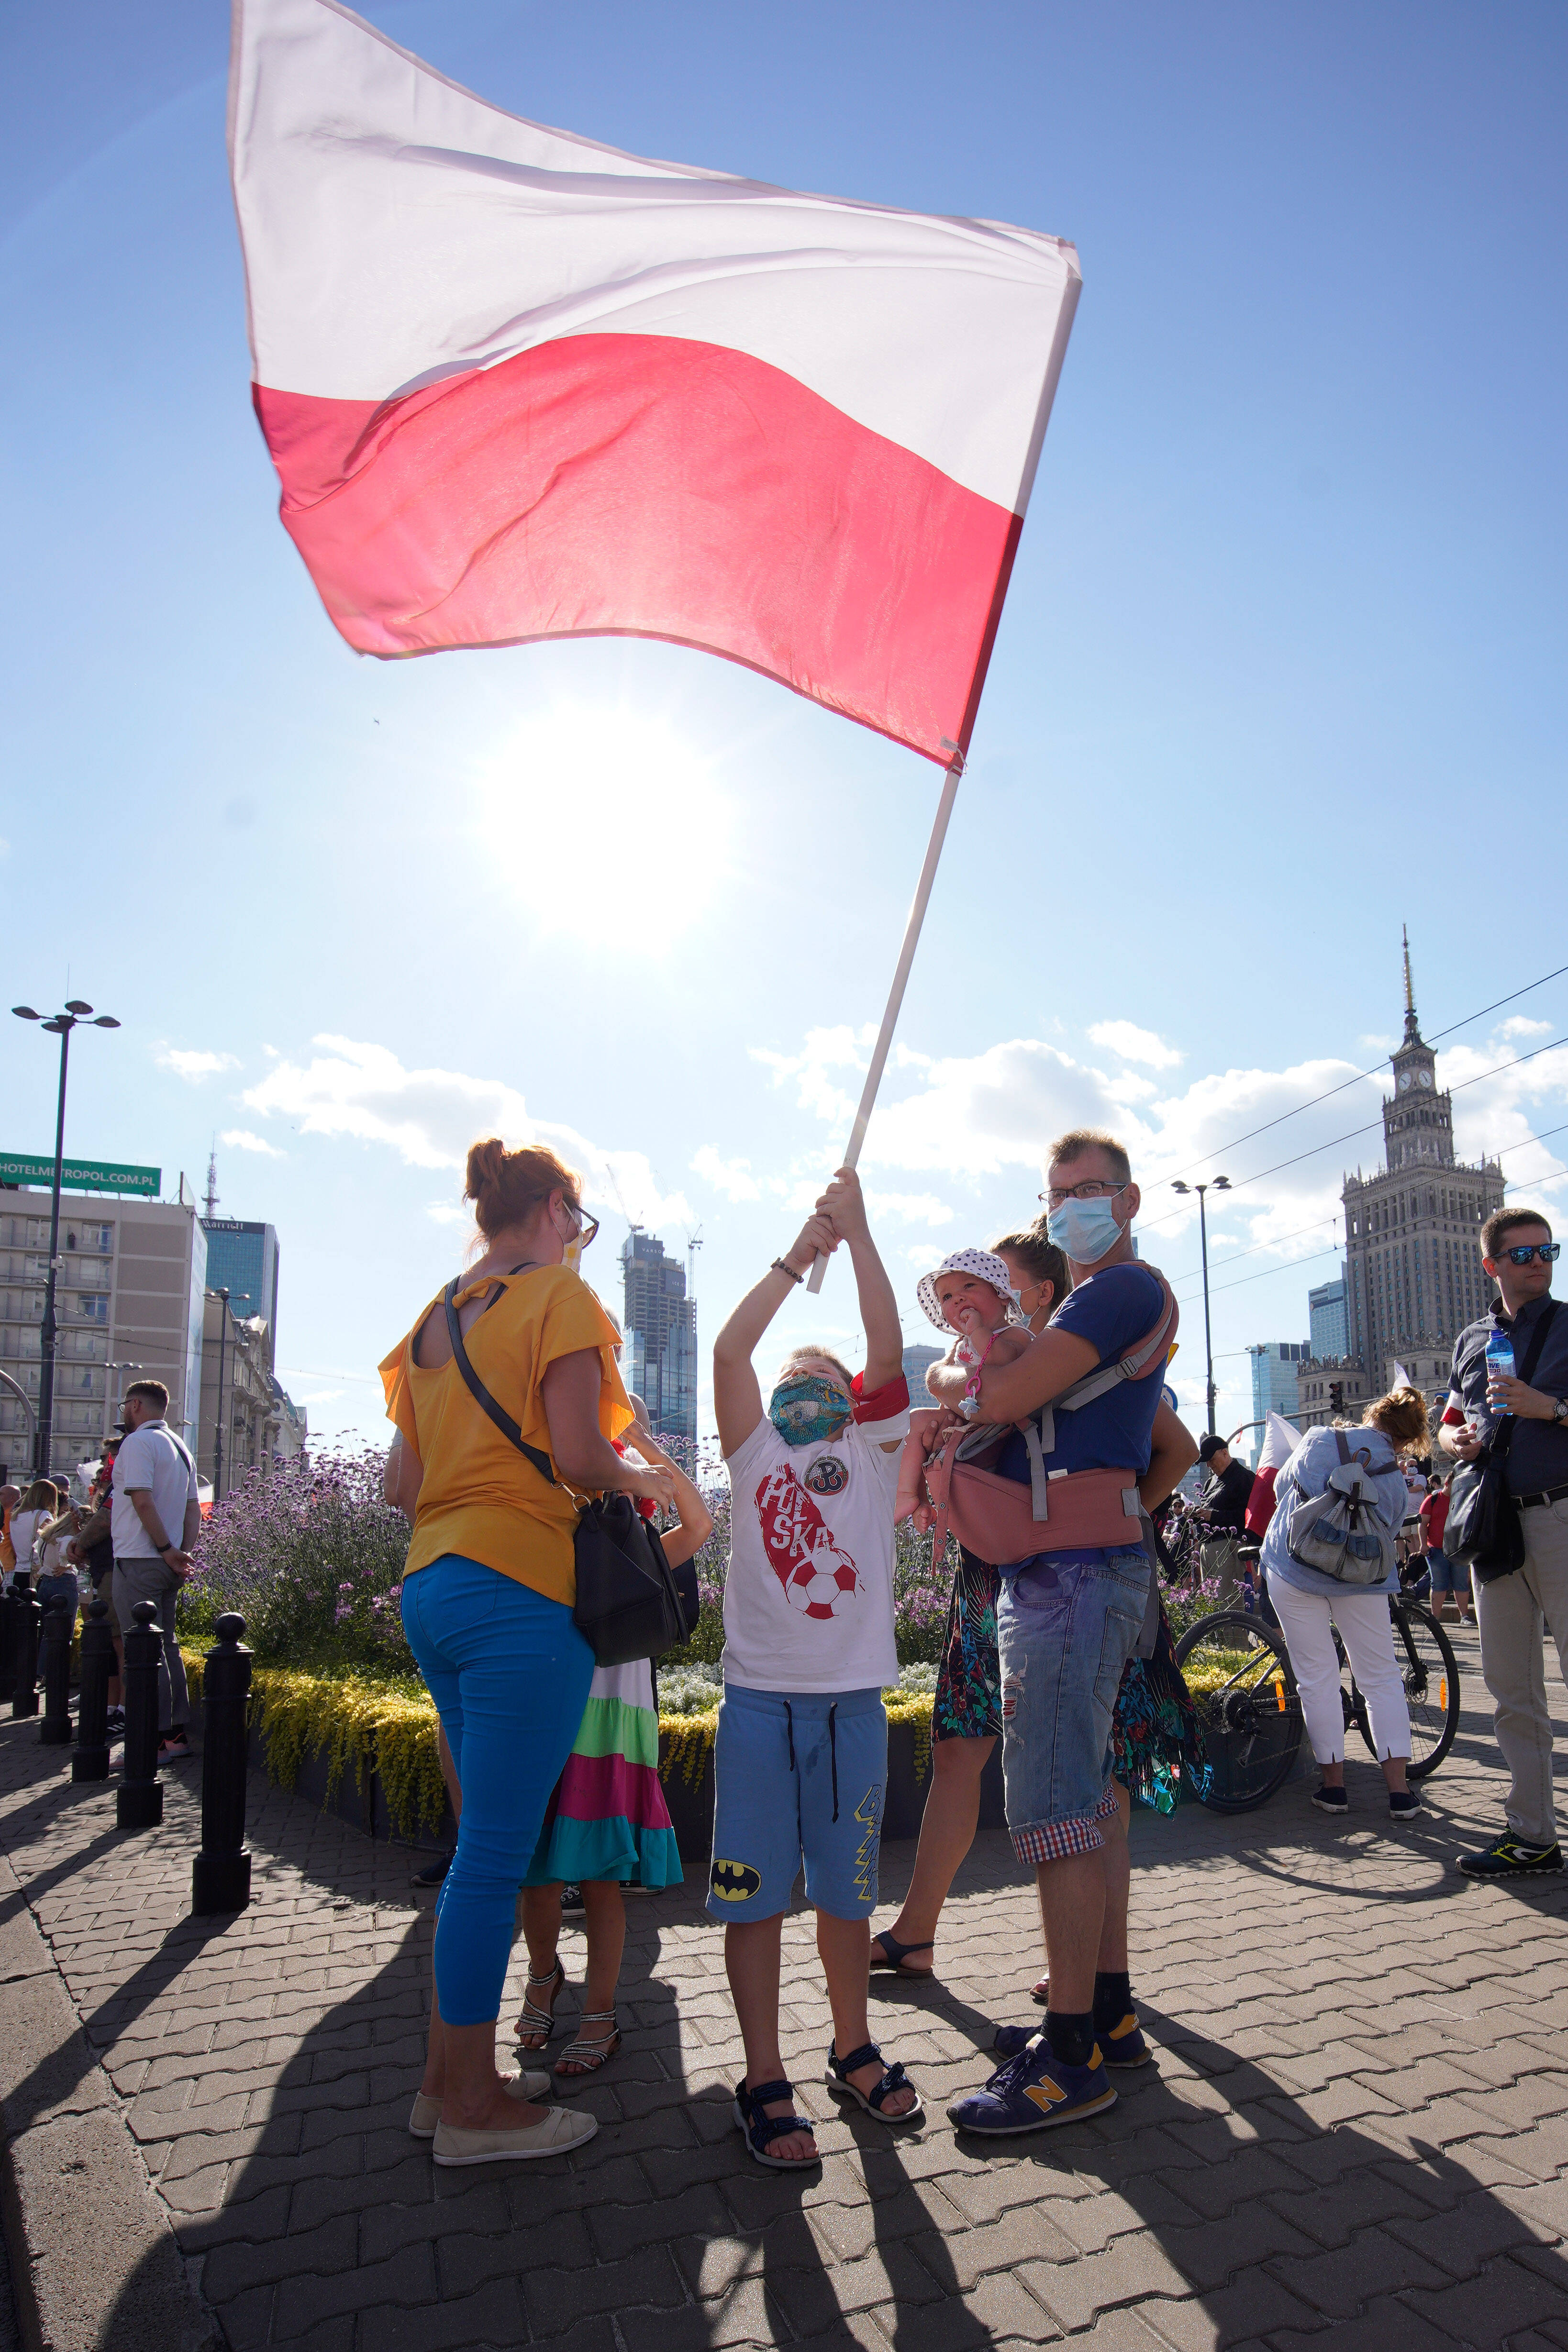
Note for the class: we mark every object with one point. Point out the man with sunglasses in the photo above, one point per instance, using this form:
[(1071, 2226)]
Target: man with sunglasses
[(1518, 1252)]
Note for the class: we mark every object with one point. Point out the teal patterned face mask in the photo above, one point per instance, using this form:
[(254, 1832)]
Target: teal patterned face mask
[(805, 1408)]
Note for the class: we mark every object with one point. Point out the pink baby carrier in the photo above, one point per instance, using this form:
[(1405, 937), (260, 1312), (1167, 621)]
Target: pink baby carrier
[(1002, 1521)]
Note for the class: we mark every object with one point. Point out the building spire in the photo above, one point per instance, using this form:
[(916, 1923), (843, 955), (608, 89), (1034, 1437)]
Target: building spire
[(1411, 1027), (211, 1205)]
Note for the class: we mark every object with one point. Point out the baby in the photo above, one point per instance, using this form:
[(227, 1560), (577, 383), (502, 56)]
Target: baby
[(972, 1294)]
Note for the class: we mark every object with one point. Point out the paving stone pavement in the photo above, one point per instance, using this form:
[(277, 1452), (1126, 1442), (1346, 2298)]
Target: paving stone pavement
[(1356, 2130)]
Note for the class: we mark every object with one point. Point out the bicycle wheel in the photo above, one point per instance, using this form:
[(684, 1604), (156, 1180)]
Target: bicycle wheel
[(1247, 1708), (1430, 1672)]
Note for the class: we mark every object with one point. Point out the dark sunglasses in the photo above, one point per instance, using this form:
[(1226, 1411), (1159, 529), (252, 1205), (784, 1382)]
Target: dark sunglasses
[(587, 1226), (1545, 1251)]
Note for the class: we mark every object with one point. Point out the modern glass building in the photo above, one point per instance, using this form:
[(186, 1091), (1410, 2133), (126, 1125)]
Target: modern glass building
[(1275, 1383), (243, 1260), (1329, 1317), (659, 1359)]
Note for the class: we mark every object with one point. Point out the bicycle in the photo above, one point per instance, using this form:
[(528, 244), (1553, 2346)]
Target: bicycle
[(1239, 1672)]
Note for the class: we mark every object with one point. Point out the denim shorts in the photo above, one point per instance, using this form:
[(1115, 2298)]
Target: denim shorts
[(1065, 1626), (1448, 1575), (797, 1776)]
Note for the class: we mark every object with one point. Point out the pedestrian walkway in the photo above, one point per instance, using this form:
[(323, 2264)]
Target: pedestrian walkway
[(1356, 2129)]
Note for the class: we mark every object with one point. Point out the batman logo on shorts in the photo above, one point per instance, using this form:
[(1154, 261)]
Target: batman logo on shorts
[(734, 1882), (828, 1474)]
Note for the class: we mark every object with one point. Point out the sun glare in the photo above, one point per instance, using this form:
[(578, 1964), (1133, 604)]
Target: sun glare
[(610, 796)]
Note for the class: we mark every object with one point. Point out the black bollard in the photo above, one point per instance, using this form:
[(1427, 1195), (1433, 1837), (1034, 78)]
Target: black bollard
[(90, 1761), (220, 1879), (138, 1804), (24, 1624), (55, 1660)]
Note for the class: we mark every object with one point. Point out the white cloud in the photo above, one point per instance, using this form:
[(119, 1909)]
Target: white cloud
[(430, 1117), (447, 1212), (1135, 1045), (914, 1208), (193, 1066), (243, 1140), (1520, 1024), (733, 1178)]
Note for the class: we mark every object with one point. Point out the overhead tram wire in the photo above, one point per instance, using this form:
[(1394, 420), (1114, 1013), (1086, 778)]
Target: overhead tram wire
[(1329, 1093)]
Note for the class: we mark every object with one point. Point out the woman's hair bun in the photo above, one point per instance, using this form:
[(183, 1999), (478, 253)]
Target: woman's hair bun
[(507, 1188)]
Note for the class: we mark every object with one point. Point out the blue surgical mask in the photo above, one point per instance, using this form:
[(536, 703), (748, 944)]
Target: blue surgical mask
[(1087, 1229), (805, 1408)]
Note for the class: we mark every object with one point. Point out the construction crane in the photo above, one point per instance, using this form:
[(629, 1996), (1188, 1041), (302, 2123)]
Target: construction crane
[(693, 1244)]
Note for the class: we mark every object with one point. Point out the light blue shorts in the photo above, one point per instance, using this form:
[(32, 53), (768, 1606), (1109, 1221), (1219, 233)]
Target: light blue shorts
[(1065, 1626), (797, 1776)]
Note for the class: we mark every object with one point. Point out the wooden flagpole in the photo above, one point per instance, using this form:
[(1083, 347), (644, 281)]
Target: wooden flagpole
[(901, 981)]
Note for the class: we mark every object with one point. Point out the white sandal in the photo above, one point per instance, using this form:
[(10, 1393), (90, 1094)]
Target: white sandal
[(535, 2027), (585, 2058)]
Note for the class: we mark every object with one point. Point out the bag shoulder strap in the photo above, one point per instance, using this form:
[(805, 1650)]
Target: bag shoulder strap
[(1538, 1341), (1344, 1449), (481, 1395), (1502, 1437)]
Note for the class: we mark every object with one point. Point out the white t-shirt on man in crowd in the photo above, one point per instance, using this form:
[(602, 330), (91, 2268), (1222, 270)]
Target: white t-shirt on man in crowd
[(150, 1457), (809, 1596)]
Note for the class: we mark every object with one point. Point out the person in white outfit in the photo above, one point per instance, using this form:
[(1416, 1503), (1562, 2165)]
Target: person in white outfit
[(1309, 1602)]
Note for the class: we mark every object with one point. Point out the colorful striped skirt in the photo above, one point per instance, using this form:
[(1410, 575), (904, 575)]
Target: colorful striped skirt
[(608, 1818)]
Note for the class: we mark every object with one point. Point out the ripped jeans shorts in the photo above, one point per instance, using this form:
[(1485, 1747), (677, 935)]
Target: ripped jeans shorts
[(1066, 1623)]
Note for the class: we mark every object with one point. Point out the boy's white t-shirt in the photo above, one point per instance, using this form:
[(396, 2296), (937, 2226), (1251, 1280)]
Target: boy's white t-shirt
[(808, 1595)]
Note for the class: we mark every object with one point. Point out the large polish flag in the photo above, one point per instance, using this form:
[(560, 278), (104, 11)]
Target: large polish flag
[(520, 386)]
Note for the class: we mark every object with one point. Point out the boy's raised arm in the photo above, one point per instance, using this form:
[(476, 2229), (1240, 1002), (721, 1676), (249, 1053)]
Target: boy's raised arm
[(737, 1397), (844, 1203)]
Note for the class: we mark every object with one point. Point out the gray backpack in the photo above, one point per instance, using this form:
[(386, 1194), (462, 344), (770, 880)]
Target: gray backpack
[(1338, 1532)]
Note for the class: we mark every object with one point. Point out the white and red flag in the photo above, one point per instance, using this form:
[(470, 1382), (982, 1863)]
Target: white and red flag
[(519, 385)]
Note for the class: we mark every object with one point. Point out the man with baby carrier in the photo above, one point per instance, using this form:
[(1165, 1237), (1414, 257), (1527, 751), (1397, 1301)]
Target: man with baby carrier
[(1045, 1483)]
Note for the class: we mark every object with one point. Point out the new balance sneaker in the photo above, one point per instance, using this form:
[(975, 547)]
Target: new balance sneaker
[(1034, 2091), (1510, 1856), (1122, 2045), (1331, 1800)]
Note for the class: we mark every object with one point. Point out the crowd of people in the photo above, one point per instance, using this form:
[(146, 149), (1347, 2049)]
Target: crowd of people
[(1048, 1448)]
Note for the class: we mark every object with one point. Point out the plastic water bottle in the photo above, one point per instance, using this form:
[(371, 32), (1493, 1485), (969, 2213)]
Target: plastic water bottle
[(1499, 1358)]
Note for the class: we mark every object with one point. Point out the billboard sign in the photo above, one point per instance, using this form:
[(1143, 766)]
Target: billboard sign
[(82, 1175)]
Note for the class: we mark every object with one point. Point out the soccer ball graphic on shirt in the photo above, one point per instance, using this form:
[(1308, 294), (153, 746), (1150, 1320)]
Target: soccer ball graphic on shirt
[(818, 1577)]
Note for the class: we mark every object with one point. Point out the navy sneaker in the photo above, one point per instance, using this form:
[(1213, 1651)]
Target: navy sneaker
[(1512, 1857), (1122, 2045), (1034, 2091), (1331, 1800)]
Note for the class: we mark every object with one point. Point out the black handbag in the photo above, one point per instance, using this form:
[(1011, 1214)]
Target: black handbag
[(628, 1604), (1483, 1529)]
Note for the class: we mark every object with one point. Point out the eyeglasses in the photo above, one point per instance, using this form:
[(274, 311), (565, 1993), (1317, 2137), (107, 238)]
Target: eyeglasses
[(1545, 1251), (587, 1226), (1093, 1188)]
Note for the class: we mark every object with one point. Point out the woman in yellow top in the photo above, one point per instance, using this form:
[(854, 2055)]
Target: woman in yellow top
[(487, 1603)]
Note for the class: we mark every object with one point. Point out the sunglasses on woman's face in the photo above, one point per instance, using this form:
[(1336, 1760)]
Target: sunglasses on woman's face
[(1545, 1251), (587, 1226)]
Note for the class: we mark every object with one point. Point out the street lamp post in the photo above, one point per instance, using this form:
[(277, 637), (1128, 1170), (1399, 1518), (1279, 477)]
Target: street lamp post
[(60, 1026), (1221, 1184), (217, 1413)]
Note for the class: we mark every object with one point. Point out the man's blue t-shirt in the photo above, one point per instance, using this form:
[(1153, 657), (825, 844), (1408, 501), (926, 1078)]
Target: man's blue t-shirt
[(1112, 1310)]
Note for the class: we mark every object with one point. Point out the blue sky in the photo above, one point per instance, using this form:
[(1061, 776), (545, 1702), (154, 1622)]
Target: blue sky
[(1281, 669)]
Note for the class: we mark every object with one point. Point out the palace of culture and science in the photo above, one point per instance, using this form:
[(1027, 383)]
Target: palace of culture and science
[(1414, 1276)]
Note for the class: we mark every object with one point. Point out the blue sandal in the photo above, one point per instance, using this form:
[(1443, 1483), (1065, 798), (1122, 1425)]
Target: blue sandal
[(761, 2130), (874, 2100)]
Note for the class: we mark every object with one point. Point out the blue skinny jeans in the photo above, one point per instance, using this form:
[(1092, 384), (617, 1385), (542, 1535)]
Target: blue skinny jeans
[(509, 1672)]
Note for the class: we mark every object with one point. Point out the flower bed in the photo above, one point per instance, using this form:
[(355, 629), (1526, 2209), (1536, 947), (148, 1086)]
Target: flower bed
[(366, 1750)]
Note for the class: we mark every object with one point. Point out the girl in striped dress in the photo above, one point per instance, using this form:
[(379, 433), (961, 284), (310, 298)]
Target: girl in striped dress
[(607, 1823)]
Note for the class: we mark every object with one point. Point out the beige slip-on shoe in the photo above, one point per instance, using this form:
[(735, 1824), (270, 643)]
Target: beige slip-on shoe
[(427, 2112), (557, 2134)]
